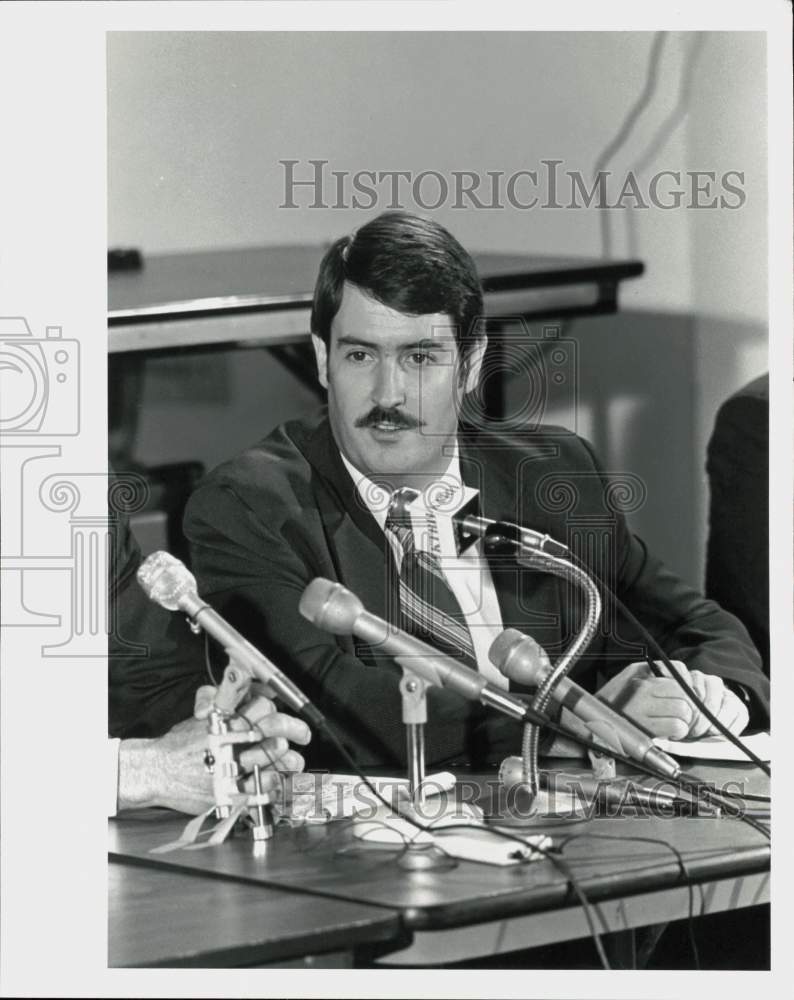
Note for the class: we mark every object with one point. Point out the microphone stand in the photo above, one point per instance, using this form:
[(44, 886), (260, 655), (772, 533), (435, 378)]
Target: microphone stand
[(419, 852), (496, 540), (414, 703)]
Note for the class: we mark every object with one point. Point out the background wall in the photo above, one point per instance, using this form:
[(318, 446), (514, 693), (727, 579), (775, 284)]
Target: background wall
[(197, 124)]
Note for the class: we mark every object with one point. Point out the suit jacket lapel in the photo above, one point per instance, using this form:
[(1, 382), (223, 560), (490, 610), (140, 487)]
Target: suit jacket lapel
[(357, 545)]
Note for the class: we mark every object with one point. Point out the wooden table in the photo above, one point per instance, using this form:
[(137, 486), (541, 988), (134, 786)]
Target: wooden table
[(169, 919), (625, 866)]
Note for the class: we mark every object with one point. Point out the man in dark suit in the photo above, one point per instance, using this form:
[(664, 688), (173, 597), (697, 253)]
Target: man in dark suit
[(399, 345)]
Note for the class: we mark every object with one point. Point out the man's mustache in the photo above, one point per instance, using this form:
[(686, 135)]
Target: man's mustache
[(377, 415)]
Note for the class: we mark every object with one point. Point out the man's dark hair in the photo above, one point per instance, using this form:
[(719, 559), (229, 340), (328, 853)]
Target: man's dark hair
[(407, 263)]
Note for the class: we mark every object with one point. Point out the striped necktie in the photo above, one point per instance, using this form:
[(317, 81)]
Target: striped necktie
[(428, 608)]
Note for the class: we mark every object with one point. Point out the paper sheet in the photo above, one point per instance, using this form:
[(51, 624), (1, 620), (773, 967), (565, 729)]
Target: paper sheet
[(717, 747)]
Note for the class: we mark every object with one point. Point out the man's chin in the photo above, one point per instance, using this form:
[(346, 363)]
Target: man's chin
[(394, 456)]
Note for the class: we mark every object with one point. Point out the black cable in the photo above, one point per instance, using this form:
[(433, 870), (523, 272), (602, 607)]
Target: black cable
[(691, 783), (328, 733), (684, 780), (746, 796), (548, 853), (682, 866), (565, 868)]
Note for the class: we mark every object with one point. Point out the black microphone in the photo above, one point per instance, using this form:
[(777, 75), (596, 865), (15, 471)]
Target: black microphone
[(169, 583), (334, 608), (468, 526), (521, 659)]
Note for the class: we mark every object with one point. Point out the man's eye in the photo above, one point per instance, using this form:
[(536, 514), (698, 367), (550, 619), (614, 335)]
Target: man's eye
[(357, 356), (421, 358)]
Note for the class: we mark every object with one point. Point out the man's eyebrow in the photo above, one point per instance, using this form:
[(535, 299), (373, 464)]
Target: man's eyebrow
[(425, 344), (357, 342)]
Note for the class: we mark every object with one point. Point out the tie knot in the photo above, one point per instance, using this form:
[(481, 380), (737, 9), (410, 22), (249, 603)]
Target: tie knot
[(398, 520), (399, 502)]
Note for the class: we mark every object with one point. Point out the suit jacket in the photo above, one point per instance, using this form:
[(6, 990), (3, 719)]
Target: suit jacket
[(737, 568), (263, 525)]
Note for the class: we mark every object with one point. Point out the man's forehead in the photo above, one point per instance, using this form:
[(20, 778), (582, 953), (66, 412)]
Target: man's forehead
[(360, 316)]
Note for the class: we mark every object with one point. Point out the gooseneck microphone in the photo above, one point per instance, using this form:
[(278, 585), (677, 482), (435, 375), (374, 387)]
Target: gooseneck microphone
[(335, 609), (472, 526), (169, 583), (521, 659)]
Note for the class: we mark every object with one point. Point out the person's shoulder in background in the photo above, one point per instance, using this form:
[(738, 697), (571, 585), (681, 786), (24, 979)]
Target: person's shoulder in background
[(737, 462)]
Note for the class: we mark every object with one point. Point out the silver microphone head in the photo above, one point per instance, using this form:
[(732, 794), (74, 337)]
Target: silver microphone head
[(165, 579), (330, 606)]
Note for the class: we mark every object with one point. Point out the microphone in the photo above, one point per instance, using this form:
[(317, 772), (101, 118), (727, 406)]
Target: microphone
[(467, 526), (169, 583), (335, 609), (521, 659)]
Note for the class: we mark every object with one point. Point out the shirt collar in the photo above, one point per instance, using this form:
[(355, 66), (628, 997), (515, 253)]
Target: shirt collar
[(446, 491)]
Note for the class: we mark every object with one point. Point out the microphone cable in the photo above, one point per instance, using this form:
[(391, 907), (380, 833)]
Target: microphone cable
[(549, 854), (587, 835), (562, 866)]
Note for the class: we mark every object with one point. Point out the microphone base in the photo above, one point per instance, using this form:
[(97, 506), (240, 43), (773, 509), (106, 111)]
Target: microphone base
[(519, 808), (425, 857)]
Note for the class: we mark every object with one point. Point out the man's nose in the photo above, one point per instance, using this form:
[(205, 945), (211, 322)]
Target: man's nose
[(389, 388)]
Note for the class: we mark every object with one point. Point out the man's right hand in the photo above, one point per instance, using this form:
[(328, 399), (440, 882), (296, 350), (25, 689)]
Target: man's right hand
[(169, 771), (658, 704)]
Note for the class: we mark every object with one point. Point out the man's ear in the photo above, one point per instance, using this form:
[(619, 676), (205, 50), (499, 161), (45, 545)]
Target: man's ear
[(321, 353), (474, 364)]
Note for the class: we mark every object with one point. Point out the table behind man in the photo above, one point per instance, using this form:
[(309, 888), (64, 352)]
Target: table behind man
[(396, 326)]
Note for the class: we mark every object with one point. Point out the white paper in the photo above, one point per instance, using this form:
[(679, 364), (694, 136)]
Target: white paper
[(717, 747)]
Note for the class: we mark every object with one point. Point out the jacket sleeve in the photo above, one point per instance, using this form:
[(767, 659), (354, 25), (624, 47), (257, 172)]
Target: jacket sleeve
[(254, 571), (688, 626)]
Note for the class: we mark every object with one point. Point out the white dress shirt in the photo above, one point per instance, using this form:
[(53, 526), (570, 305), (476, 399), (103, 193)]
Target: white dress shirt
[(468, 574)]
